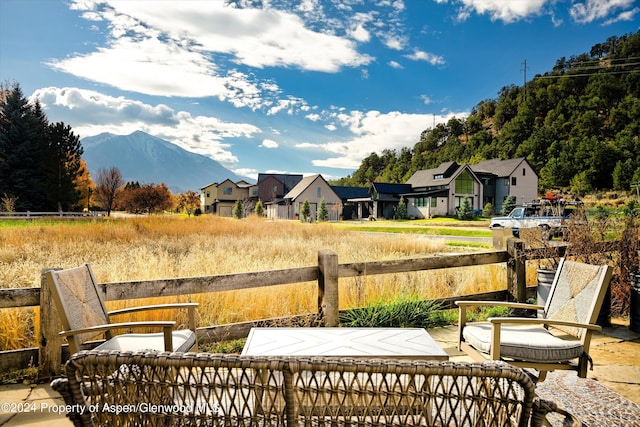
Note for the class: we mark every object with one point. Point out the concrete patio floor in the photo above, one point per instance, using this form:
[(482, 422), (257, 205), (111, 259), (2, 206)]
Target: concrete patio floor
[(615, 352)]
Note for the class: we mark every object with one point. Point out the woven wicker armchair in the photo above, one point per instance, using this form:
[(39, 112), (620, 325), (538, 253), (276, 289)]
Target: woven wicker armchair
[(189, 389), (79, 302)]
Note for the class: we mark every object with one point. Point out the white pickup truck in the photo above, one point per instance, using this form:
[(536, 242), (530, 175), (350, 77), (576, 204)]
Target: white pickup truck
[(525, 217)]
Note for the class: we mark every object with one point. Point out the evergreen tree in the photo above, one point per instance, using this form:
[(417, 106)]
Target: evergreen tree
[(323, 213), (39, 162), (465, 211), (401, 210), (63, 166), (259, 209), (508, 205), (22, 151), (237, 210), (305, 211)]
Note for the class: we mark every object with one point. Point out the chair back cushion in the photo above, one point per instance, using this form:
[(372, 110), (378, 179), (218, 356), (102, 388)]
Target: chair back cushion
[(78, 300), (577, 293)]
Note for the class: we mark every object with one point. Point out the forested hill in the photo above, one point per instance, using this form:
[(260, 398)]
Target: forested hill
[(578, 125)]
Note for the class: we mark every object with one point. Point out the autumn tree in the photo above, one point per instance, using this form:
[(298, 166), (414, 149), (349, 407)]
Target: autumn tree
[(108, 182), (147, 198), (188, 202)]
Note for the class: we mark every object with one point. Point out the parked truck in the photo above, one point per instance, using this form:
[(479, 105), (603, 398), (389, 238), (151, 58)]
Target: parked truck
[(550, 215)]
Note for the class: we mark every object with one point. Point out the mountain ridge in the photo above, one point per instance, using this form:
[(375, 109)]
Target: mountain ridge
[(145, 158)]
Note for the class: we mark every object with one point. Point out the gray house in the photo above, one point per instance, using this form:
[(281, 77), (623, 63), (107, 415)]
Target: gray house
[(441, 191)]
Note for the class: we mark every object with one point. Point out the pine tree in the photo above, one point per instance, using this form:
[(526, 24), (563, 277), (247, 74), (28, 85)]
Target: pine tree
[(238, 210), (401, 210), (323, 213), (22, 150), (305, 211), (259, 209)]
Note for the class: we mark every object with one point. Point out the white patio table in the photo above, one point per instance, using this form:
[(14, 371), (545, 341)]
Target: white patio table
[(392, 343)]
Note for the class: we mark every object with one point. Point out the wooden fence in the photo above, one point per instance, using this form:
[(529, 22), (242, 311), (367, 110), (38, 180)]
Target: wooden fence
[(48, 356), (51, 215)]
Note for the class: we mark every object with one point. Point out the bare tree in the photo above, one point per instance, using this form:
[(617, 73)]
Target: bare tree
[(108, 183)]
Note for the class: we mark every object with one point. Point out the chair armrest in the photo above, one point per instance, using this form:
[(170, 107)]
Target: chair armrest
[(508, 304), (190, 306), (541, 408), (550, 322), (101, 328)]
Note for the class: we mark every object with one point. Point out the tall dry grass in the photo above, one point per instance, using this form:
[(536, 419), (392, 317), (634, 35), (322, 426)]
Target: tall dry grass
[(155, 247)]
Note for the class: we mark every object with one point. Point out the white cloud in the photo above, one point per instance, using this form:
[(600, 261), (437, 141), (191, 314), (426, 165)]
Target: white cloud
[(314, 117), (269, 143), (624, 16), (373, 131), (432, 59), (91, 113), (592, 10), (395, 64), (502, 10), (425, 99), (510, 11)]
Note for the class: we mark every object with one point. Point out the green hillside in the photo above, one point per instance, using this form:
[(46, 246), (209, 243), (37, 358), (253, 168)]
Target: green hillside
[(578, 125)]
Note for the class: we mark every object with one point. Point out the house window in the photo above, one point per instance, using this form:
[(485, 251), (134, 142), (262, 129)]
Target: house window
[(513, 180), (208, 194), (319, 192), (255, 192), (438, 176), (275, 189), (434, 202), (464, 183), (524, 172), (227, 190)]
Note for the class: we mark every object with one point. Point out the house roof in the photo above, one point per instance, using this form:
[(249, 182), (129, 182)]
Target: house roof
[(427, 177), (449, 170), (288, 180), (351, 192), (387, 188), (304, 184), (500, 168)]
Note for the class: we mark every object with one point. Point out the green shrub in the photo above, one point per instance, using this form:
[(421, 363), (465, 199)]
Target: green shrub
[(406, 311)]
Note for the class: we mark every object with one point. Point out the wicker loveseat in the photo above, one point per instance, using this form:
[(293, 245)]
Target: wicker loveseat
[(189, 389)]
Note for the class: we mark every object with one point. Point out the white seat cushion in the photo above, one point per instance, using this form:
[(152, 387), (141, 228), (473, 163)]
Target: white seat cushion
[(529, 343), (183, 340)]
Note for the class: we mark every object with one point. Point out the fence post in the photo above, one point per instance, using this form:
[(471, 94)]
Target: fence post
[(50, 354), (516, 271), (328, 287)]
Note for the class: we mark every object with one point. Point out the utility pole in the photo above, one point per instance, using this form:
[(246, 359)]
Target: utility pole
[(637, 190), (524, 68)]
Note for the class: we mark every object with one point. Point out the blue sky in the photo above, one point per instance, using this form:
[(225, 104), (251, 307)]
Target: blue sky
[(306, 86)]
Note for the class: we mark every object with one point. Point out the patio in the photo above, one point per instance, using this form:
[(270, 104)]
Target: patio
[(616, 366)]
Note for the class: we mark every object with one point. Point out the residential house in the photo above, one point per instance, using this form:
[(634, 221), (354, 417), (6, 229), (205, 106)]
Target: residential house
[(271, 189), (349, 197), (441, 191), (313, 189), (381, 200), (219, 198), (503, 178)]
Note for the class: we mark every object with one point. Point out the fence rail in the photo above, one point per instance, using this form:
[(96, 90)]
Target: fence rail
[(327, 274), (39, 215)]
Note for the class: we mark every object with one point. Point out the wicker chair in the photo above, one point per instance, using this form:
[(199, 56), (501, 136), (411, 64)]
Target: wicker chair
[(189, 389), (572, 309), (79, 302)]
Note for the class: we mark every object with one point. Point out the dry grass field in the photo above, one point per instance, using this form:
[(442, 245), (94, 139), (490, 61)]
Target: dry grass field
[(156, 247)]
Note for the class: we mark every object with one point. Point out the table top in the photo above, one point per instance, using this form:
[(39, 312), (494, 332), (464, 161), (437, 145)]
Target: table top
[(397, 343)]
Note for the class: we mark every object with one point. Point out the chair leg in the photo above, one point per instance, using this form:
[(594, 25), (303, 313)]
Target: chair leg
[(583, 365)]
